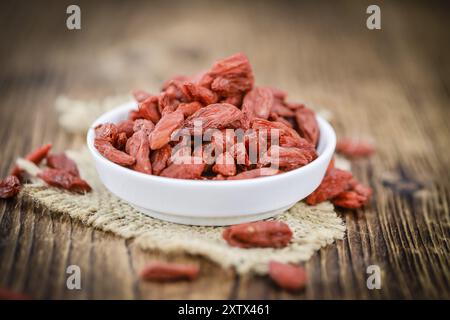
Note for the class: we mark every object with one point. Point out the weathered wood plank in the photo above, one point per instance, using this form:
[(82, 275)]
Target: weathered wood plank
[(391, 85)]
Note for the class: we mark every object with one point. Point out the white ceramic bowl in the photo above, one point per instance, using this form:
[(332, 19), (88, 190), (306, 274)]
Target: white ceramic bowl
[(199, 202)]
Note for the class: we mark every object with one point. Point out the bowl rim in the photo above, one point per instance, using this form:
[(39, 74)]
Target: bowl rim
[(326, 132)]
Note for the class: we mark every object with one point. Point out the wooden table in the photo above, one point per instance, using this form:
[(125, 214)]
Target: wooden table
[(390, 85)]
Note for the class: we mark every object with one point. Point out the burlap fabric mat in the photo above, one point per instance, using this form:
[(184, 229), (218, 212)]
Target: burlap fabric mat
[(313, 227)]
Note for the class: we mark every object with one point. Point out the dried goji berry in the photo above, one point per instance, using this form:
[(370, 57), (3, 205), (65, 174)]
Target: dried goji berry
[(232, 75), (235, 99), (9, 187), (107, 131), (280, 109), (354, 148), (255, 173), (63, 179), (288, 137), (35, 156), (160, 158), (258, 103), (289, 277), (218, 116), (307, 124), (126, 126), (355, 198), (167, 103), (223, 140), (109, 152), (288, 158), (201, 94), (121, 141), (192, 170), (334, 183), (63, 162), (148, 109), (274, 234), (362, 190), (349, 200), (138, 147), (165, 271), (225, 165), (160, 136), (189, 108), (143, 124), (175, 90), (277, 118)]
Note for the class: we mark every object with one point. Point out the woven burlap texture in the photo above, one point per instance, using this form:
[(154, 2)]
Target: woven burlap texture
[(313, 227)]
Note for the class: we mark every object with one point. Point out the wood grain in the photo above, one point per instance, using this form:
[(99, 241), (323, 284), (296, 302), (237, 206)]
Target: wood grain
[(390, 85)]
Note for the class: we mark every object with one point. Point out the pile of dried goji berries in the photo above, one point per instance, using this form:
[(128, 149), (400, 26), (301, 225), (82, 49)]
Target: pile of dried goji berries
[(219, 102), (60, 171)]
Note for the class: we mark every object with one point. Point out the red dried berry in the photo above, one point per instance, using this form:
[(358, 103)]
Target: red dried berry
[(63, 179), (287, 136), (138, 147), (170, 122), (63, 162), (288, 158), (148, 109), (354, 148), (357, 197), (9, 187), (165, 271), (235, 99), (191, 170), (263, 234), (143, 124), (218, 116), (121, 141), (107, 150), (280, 109), (255, 173), (35, 156), (126, 126), (334, 183), (258, 103), (190, 108), (286, 276), (160, 159), (107, 131), (201, 94), (231, 75), (307, 125), (225, 165)]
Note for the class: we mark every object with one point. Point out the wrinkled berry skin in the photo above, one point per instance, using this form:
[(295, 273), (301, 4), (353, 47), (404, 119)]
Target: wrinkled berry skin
[(9, 187), (334, 183), (262, 234), (64, 180), (63, 162)]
